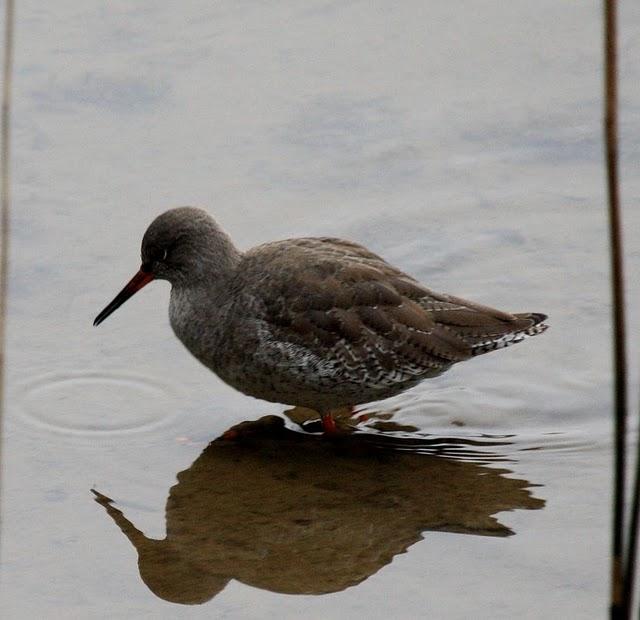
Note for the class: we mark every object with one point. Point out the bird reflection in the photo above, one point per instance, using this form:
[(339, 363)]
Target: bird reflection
[(297, 513)]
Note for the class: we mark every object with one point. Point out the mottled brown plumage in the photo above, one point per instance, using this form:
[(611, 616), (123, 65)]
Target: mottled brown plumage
[(316, 322)]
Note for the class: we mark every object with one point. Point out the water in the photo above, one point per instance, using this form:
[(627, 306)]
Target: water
[(461, 143)]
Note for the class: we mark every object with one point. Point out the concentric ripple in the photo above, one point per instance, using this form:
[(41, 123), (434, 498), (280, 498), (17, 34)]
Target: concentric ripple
[(97, 403)]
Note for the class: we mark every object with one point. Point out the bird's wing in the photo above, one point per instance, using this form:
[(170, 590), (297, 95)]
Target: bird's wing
[(337, 298)]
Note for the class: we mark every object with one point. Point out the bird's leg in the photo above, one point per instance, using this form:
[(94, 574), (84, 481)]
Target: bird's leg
[(328, 423)]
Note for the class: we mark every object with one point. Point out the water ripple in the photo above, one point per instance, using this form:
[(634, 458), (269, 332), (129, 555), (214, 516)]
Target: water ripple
[(96, 403)]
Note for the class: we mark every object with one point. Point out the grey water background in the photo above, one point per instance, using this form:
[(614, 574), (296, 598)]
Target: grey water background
[(460, 141)]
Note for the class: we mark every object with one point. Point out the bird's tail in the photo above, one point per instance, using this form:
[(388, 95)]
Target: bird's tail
[(529, 324)]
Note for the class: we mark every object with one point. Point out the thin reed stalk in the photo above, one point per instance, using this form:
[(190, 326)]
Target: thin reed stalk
[(5, 153), (619, 601)]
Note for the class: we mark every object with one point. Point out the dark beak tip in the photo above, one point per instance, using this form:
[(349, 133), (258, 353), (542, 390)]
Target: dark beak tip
[(141, 279), (99, 319)]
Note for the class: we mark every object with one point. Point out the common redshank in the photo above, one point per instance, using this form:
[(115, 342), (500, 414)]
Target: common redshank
[(316, 322)]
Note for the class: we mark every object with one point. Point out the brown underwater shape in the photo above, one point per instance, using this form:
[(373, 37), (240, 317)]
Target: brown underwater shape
[(298, 514)]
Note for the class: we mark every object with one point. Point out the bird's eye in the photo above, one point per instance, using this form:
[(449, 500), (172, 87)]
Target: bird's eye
[(164, 254)]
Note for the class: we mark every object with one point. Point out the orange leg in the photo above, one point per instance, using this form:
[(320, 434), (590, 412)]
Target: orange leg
[(328, 424)]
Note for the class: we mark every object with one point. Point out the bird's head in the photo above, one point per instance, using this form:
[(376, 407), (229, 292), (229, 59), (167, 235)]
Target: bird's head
[(184, 246)]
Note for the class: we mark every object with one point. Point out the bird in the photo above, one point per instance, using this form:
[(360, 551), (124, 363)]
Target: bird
[(316, 322)]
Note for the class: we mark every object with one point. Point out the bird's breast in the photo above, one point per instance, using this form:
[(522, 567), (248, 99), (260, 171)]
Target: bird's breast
[(197, 323)]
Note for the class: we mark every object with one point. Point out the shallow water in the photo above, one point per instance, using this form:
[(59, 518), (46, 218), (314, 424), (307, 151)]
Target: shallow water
[(462, 144)]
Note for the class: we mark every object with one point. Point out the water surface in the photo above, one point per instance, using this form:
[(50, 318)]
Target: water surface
[(463, 144)]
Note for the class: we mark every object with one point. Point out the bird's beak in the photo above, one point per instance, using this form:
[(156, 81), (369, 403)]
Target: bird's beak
[(133, 286)]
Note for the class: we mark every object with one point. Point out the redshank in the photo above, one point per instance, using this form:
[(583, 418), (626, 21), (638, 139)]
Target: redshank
[(320, 322)]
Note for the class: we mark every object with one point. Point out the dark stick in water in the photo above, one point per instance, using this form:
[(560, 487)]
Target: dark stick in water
[(620, 588)]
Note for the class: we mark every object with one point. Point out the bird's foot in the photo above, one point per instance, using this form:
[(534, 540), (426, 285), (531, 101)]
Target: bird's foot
[(363, 417)]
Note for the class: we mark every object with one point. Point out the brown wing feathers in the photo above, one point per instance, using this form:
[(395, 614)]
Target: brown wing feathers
[(349, 298)]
